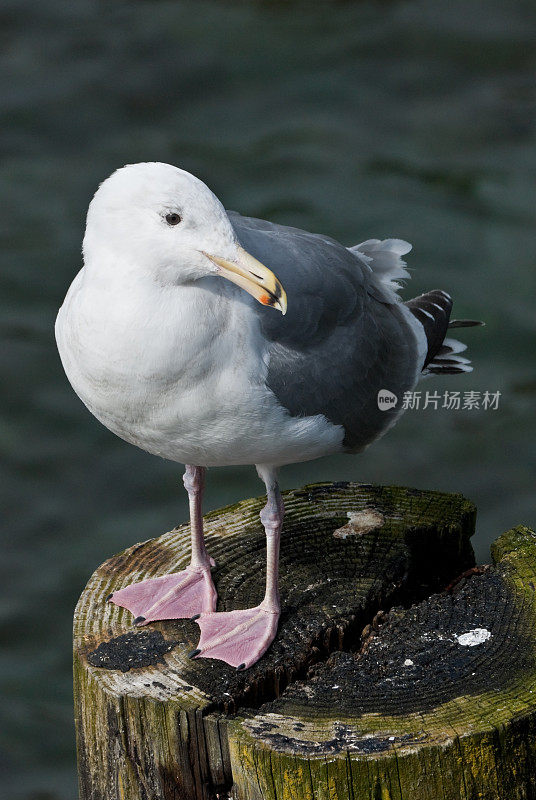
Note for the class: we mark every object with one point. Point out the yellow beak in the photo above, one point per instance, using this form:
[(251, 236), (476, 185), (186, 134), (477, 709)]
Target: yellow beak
[(254, 277)]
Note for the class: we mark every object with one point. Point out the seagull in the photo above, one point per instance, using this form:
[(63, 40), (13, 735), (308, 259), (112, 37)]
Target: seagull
[(178, 336)]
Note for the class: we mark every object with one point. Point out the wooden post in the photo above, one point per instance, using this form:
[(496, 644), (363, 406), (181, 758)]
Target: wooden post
[(425, 701)]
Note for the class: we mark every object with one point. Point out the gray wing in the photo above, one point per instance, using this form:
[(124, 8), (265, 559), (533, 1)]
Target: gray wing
[(342, 339)]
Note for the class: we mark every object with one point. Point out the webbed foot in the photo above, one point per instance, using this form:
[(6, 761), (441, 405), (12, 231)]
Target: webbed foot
[(176, 596), (239, 638)]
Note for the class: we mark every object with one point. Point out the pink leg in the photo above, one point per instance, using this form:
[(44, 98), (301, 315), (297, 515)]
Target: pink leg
[(241, 637), (181, 594)]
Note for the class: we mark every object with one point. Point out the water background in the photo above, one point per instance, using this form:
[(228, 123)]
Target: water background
[(411, 119)]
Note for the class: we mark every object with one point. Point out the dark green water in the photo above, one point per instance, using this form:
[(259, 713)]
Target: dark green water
[(410, 119)]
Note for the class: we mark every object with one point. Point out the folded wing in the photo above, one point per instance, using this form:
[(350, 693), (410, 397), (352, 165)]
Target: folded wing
[(345, 335)]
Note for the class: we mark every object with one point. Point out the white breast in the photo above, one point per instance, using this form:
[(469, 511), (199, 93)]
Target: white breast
[(180, 372)]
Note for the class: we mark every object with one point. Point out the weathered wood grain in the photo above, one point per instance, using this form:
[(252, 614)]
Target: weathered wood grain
[(152, 723)]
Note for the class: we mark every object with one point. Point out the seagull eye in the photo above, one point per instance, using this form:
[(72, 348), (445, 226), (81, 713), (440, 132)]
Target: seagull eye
[(173, 219)]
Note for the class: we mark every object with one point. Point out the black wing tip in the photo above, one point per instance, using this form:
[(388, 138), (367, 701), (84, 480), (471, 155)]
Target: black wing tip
[(432, 310), (466, 323), (438, 370)]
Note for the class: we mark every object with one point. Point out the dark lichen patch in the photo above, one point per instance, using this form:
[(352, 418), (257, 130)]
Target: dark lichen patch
[(417, 660), (131, 650), (346, 738)]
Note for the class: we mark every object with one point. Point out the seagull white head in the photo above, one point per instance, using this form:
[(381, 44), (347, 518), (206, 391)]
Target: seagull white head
[(166, 223)]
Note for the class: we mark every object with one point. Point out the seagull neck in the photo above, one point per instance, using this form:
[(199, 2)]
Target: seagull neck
[(127, 295), (105, 270)]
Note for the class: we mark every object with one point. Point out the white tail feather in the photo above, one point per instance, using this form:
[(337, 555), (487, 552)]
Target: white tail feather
[(384, 257), (454, 346), (448, 359)]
